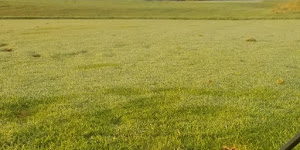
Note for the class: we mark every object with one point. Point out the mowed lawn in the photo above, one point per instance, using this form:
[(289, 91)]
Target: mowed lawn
[(148, 84)]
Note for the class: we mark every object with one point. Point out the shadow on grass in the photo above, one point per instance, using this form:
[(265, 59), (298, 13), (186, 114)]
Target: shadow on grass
[(148, 114), (20, 108), (256, 93)]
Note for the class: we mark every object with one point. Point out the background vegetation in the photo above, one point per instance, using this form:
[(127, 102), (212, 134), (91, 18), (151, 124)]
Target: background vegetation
[(130, 9)]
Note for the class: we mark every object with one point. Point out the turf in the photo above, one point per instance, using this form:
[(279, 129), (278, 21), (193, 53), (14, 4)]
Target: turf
[(148, 84), (141, 9)]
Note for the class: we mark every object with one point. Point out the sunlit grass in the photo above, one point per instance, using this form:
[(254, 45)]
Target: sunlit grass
[(145, 84)]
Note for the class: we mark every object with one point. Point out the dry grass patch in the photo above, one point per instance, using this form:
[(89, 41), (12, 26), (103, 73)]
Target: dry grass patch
[(229, 148), (288, 7)]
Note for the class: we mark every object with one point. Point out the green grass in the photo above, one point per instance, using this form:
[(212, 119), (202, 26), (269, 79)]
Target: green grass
[(140, 9), (148, 84)]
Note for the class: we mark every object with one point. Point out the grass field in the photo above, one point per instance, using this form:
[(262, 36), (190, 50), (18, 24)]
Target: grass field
[(141, 9), (148, 84)]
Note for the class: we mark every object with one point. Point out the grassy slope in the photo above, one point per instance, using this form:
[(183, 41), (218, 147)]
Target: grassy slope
[(139, 9), (122, 84)]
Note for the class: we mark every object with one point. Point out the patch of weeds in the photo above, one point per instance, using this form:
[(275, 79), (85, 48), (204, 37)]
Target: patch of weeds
[(4, 6), (70, 54), (99, 66), (36, 55), (209, 81), (251, 40), (280, 81), (116, 120), (3, 44), (6, 50), (75, 53)]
